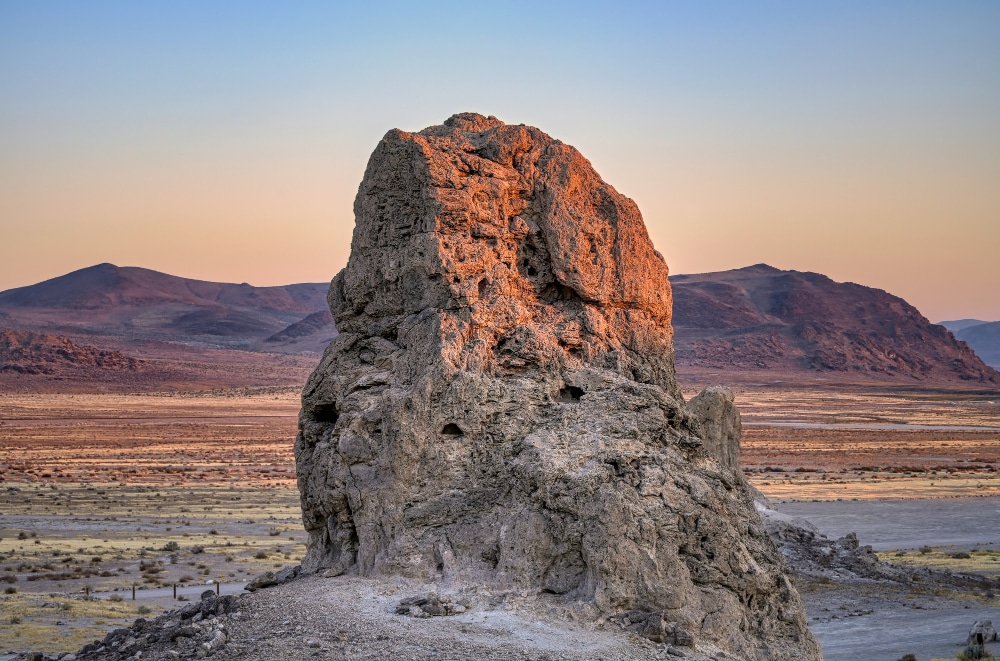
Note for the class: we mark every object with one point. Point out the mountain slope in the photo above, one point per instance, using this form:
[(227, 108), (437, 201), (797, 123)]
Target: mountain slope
[(762, 318)]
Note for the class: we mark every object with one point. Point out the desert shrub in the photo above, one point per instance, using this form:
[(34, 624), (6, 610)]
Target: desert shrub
[(961, 555), (974, 653), (115, 597), (197, 549), (924, 550), (260, 555), (8, 578), (15, 619), (171, 546), (144, 610), (186, 578), (10, 590)]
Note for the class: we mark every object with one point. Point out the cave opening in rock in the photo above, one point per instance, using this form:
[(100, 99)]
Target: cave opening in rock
[(570, 394), (451, 429), (326, 413)]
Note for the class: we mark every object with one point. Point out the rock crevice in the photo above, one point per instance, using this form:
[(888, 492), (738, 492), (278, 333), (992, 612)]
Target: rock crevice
[(501, 409)]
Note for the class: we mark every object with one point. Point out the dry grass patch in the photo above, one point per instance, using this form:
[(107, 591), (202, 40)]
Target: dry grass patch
[(58, 623)]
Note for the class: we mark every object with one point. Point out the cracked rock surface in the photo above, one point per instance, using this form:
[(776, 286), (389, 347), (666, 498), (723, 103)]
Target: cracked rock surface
[(500, 408)]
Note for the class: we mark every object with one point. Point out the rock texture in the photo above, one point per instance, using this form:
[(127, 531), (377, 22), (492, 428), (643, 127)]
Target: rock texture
[(500, 408)]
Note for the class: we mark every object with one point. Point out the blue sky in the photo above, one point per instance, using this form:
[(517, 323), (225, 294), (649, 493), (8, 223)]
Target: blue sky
[(226, 140)]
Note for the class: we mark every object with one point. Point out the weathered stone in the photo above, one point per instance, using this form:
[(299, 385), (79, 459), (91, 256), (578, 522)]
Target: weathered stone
[(501, 409), (719, 424), (982, 632)]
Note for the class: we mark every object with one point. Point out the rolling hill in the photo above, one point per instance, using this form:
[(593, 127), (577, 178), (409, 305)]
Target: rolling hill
[(133, 304)]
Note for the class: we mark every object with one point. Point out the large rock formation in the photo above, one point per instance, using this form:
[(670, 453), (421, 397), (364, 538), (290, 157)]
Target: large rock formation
[(500, 407)]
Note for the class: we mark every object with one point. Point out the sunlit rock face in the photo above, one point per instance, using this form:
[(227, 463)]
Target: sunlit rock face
[(500, 408)]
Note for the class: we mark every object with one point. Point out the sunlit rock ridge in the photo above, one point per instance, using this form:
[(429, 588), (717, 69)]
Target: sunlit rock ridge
[(501, 410)]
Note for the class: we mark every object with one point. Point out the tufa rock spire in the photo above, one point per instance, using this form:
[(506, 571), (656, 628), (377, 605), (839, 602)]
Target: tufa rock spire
[(501, 409)]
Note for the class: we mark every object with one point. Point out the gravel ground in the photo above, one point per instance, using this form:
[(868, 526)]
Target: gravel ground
[(352, 618), (880, 622)]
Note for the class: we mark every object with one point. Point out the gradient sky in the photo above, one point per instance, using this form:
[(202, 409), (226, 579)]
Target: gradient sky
[(226, 140)]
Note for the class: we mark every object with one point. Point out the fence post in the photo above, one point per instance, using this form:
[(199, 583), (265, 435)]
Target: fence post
[(218, 587), (175, 591), (133, 592)]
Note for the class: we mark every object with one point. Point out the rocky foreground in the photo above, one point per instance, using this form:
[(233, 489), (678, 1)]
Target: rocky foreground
[(292, 616)]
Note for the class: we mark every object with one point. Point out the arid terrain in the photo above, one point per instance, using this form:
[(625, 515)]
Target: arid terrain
[(103, 491)]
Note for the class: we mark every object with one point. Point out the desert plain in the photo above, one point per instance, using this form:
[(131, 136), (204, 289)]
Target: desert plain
[(101, 493)]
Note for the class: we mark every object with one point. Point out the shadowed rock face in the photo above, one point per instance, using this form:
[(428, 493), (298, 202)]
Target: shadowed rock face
[(500, 407)]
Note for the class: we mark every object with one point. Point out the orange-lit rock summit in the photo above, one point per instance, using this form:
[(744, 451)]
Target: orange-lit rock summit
[(500, 410)]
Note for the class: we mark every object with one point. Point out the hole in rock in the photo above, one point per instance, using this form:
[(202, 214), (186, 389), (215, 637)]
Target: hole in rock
[(482, 287), (570, 394), (326, 413), (532, 270), (451, 429)]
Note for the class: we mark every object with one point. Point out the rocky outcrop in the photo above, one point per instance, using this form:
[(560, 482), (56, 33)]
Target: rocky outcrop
[(28, 352), (500, 407)]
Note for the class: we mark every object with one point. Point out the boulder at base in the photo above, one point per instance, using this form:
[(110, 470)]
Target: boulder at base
[(500, 408)]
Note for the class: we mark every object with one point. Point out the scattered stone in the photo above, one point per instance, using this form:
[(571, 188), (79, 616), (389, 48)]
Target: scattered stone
[(270, 579), (430, 606)]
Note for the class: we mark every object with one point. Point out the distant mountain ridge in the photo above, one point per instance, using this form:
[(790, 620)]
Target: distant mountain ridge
[(763, 318), (134, 304), (957, 325), (103, 285), (757, 319)]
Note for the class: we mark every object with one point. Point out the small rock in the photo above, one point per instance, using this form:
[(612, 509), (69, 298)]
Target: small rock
[(982, 632)]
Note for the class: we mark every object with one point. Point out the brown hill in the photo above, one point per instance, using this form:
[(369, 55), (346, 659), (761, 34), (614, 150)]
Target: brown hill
[(761, 318), (28, 352)]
